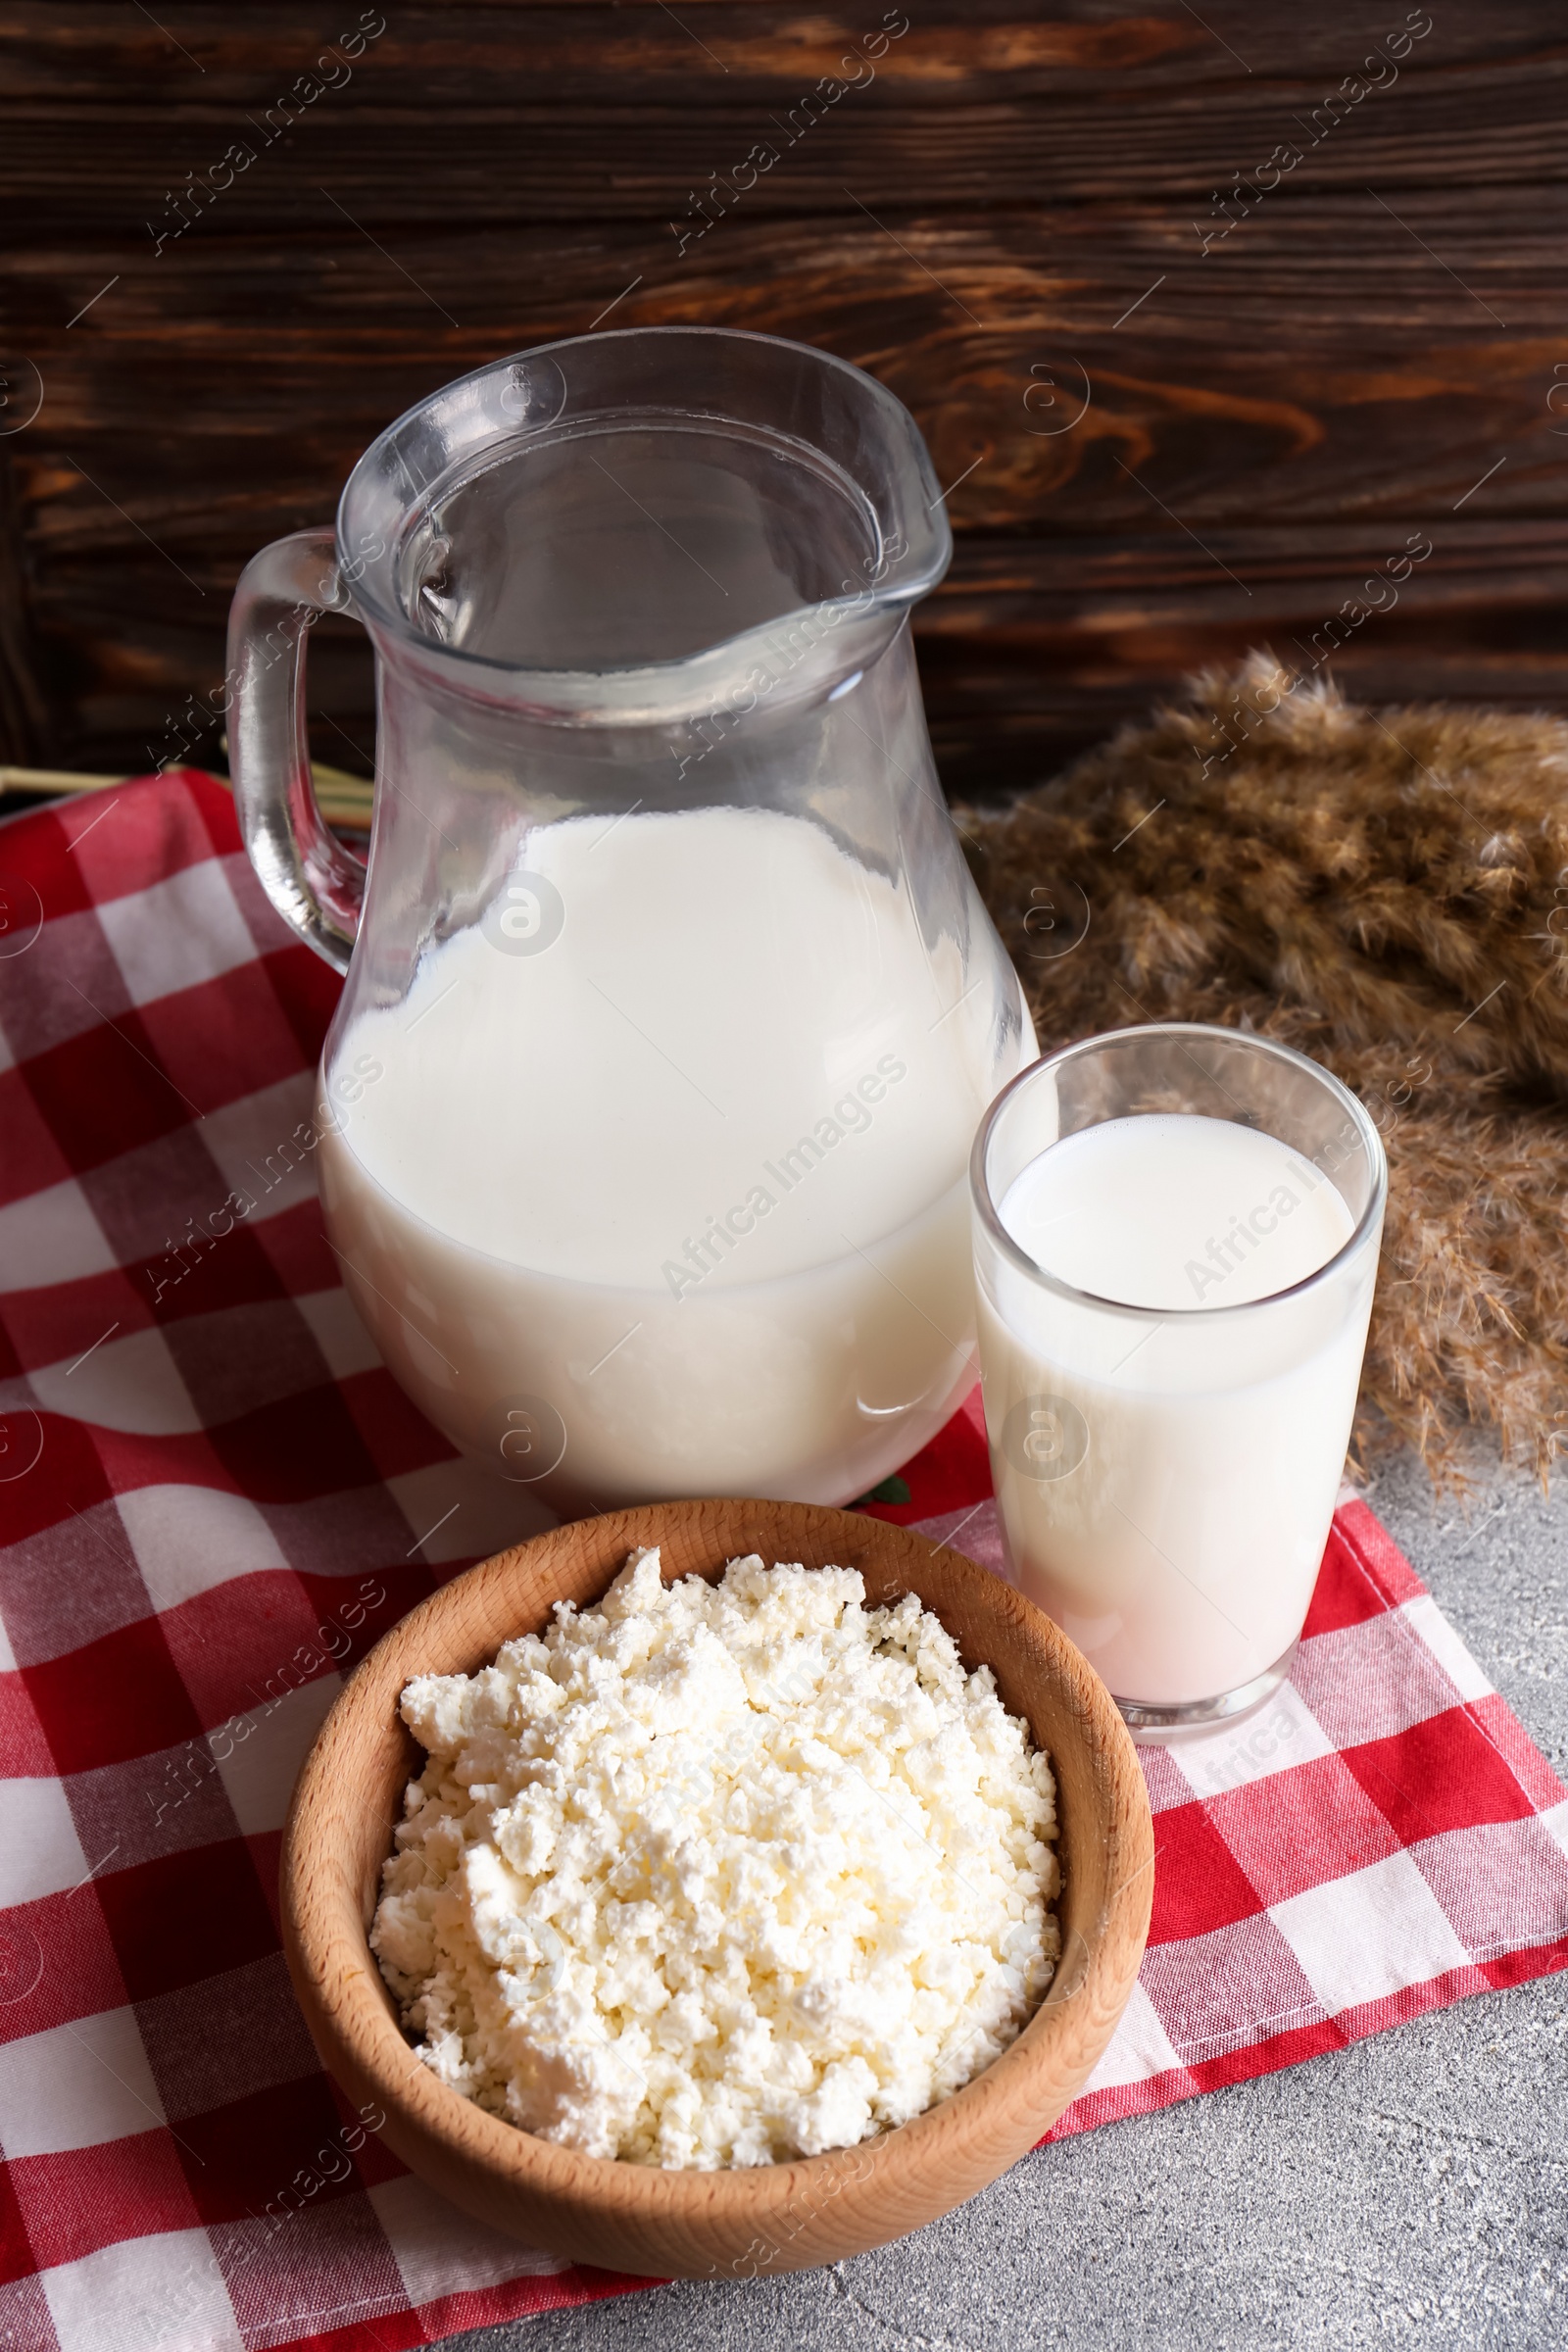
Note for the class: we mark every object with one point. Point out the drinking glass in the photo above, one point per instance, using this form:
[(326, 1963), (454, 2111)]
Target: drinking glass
[(1165, 1479)]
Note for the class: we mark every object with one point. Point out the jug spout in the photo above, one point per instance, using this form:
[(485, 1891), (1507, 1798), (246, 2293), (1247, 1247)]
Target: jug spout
[(624, 527)]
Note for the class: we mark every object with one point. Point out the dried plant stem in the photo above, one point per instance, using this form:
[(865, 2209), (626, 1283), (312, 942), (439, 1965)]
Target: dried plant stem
[(1385, 892)]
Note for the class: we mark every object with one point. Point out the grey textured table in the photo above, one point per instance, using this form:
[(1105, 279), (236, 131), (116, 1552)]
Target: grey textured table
[(1408, 2190)]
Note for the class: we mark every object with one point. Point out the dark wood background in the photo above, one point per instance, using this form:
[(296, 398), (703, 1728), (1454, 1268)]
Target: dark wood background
[(1012, 209)]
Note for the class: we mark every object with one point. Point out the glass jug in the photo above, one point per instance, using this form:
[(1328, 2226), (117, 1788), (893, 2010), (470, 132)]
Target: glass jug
[(672, 1006)]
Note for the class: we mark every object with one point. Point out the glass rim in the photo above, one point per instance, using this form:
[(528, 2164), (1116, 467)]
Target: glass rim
[(1353, 1245)]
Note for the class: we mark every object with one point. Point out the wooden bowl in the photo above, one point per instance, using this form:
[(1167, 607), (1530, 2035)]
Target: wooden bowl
[(785, 2217)]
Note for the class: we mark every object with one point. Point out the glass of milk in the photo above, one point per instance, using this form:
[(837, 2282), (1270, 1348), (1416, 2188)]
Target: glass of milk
[(671, 1007), (1176, 1234)]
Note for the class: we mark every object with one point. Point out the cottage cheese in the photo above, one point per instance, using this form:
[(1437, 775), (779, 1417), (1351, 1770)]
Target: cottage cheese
[(719, 1874)]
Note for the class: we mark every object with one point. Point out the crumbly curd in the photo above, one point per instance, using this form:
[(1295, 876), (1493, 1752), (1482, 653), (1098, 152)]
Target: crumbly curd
[(719, 1874)]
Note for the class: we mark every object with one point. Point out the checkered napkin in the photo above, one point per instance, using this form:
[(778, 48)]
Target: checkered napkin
[(213, 1498)]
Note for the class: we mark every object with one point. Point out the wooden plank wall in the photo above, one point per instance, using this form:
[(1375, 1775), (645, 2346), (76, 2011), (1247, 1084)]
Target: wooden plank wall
[(1207, 318)]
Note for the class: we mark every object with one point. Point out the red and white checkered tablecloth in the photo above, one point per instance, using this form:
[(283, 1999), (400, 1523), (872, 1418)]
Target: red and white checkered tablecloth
[(213, 1498)]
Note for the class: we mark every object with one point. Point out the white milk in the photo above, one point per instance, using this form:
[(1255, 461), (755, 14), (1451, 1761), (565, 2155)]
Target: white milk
[(675, 1204), (1167, 1480)]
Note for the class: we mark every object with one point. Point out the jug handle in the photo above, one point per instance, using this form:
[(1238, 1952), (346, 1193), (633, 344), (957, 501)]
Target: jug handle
[(316, 885)]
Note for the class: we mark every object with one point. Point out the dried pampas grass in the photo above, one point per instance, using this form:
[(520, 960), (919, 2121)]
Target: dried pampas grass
[(1389, 892)]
